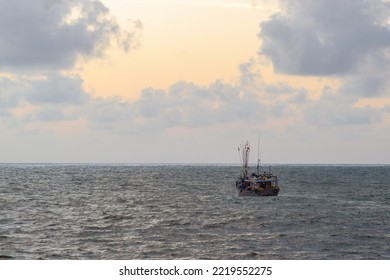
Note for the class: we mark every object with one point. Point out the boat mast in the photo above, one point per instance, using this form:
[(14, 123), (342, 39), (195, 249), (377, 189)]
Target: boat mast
[(244, 157)]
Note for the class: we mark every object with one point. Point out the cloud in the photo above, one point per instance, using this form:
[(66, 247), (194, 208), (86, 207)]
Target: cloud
[(113, 115), (57, 89), (325, 37), (51, 89), (335, 109), (55, 111), (40, 38), (10, 93), (52, 35), (182, 105), (189, 105), (54, 97), (349, 40), (131, 40), (371, 80), (49, 98)]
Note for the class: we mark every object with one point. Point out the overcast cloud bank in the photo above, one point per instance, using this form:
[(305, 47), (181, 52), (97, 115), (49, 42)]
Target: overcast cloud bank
[(347, 40)]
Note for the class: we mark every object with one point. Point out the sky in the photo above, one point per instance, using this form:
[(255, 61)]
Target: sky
[(187, 81)]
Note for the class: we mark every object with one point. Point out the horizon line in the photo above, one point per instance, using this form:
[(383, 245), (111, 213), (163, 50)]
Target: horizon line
[(182, 163)]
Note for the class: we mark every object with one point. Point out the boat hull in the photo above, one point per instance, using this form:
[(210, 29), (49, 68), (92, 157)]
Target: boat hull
[(258, 186), (255, 192)]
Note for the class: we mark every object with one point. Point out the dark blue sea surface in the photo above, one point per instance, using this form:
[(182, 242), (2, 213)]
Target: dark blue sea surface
[(54, 211)]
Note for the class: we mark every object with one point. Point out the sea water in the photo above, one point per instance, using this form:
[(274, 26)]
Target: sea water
[(54, 211)]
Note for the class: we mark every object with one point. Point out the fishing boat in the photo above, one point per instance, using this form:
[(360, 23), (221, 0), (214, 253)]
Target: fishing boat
[(259, 183)]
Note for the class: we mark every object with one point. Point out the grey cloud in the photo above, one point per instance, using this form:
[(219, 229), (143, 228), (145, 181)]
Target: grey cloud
[(57, 97), (182, 105), (284, 99), (325, 37), (47, 113), (300, 96), (151, 103), (367, 86), (50, 89), (10, 93), (50, 98), (372, 80), (247, 76), (131, 40), (110, 111), (46, 34), (186, 104), (57, 89), (292, 99), (338, 114), (336, 109)]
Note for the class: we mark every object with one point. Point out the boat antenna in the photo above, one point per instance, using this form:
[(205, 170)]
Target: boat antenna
[(258, 154), (239, 155)]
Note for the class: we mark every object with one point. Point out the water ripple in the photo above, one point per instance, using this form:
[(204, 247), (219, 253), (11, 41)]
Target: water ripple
[(191, 212)]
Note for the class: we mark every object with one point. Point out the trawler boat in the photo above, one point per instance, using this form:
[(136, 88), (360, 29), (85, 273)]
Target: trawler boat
[(260, 183)]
